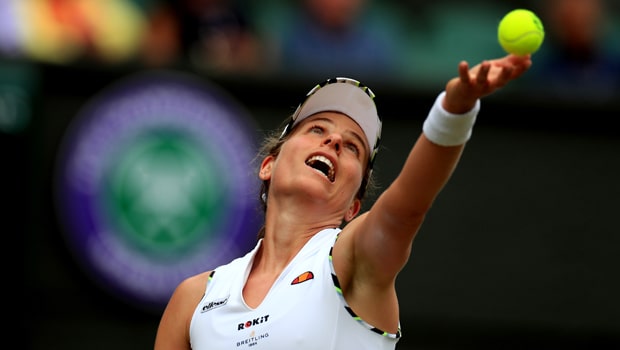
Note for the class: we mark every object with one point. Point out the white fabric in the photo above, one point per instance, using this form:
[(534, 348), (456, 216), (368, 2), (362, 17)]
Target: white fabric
[(448, 129), (348, 99), (304, 316)]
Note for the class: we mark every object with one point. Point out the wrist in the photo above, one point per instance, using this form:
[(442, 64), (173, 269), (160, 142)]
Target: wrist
[(449, 129)]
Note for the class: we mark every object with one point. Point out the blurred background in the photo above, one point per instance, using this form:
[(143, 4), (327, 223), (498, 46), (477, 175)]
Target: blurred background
[(129, 129)]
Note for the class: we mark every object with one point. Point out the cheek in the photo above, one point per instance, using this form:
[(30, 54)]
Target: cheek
[(354, 172), (293, 145)]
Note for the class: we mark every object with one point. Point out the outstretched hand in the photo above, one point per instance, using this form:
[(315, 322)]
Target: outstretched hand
[(463, 91)]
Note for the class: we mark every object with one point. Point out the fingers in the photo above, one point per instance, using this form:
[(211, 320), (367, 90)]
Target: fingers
[(506, 73), (489, 75), (464, 72), (519, 64), (483, 73), (518, 60)]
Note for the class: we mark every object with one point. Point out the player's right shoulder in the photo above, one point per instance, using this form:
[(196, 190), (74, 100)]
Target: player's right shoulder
[(194, 285), (188, 294)]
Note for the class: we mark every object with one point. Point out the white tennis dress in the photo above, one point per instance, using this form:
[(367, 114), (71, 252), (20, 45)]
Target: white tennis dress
[(304, 308)]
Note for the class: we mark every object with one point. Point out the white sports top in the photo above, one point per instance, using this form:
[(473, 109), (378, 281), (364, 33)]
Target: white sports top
[(304, 309)]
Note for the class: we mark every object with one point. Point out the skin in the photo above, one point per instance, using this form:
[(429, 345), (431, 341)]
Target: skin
[(374, 246)]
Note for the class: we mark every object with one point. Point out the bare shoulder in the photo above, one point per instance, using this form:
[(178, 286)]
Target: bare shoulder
[(188, 294), (192, 288), (194, 282), (173, 331)]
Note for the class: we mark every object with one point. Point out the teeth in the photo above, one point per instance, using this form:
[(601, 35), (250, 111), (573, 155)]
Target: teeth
[(322, 159), (327, 169)]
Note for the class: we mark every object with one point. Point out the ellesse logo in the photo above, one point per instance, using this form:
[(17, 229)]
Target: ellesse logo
[(306, 276), (214, 304)]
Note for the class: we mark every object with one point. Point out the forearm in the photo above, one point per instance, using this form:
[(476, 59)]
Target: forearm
[(433, 159), (400, 210), (428, 168)]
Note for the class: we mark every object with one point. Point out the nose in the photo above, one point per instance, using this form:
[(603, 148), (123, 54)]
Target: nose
[(334, 140)]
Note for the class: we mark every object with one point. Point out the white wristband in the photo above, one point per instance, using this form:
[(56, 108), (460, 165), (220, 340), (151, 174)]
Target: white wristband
[(448, 129)]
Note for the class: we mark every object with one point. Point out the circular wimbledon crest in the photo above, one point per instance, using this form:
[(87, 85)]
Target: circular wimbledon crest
[(155, 182)]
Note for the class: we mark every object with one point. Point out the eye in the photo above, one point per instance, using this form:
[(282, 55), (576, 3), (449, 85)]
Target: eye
[(317, 129), (353, 147)]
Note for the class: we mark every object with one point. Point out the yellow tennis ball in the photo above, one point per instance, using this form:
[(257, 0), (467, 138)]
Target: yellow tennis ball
[(520, 32)]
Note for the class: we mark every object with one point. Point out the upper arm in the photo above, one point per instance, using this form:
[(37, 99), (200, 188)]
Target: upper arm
[(381, 239), (173, 330)]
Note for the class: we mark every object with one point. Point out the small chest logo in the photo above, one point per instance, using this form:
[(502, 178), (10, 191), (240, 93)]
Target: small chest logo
[(306, 276), (214, 304)]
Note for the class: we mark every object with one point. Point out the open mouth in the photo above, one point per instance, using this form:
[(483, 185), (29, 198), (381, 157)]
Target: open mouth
[(322, 165)]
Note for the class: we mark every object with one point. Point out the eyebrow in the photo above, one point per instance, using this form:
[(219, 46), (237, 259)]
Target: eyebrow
[(355, 134)]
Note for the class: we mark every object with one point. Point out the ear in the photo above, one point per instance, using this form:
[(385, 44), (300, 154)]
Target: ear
[(354, 209), (265, 168)]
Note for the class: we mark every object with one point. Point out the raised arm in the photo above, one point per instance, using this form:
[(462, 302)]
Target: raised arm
[(383, 236)]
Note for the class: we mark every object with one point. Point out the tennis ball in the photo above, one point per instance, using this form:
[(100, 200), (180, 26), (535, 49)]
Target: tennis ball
[(520, 32)]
